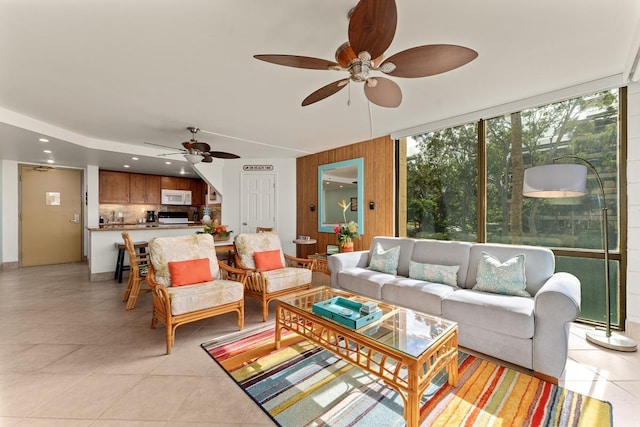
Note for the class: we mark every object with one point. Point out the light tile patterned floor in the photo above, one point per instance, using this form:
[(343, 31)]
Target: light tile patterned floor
[(70, 355)]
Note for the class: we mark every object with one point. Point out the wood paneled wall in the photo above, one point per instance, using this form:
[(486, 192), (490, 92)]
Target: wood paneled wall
[(378, 155)]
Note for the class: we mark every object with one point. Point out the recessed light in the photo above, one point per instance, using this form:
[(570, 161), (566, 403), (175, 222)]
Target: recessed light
[(50, 161), (167, 163), (46, 151), (134, 158), (43, 140), (126, 166)]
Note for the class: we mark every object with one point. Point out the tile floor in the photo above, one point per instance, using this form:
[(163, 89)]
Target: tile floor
[(70, 355)]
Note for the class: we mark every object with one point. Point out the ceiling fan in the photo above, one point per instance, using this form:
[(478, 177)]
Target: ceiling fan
[(372, 26), (195, 151)]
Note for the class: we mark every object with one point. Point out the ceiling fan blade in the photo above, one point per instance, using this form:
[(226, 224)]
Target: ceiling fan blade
[(428, 60), (180, 150), (298, 61), (200, 146), (187, 144), (222, 155), (206, 158), (372, 26), (324, 92), (385, 93)]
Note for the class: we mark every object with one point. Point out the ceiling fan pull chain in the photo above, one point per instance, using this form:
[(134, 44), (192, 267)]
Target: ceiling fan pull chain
[(349, 97)]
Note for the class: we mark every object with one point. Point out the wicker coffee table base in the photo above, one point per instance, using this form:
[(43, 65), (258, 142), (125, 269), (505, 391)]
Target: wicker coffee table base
[(409, 376)]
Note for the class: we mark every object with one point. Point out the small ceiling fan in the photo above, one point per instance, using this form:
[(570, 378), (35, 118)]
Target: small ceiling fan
[(372, 26), (195, 151)]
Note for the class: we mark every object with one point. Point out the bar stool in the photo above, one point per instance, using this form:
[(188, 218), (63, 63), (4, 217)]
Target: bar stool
[(120, 267)]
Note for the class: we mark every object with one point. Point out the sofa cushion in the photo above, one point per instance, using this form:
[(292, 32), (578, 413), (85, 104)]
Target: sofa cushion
[(416, 294), (285, 278), (539, 262), (363, 281), (506, 278), (445, 274), (440, 252), (385, 261), (504, 314), (406, 250), (185, 299)]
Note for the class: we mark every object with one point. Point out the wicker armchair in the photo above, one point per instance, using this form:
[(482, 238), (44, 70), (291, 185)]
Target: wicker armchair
[(292, 275), (139, 262), (176, 305)]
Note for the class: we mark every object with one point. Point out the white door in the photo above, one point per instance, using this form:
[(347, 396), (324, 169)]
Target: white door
[(258, 201)]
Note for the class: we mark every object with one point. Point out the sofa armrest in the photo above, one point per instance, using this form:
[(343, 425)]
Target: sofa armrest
[(556, 304), (344, 260)]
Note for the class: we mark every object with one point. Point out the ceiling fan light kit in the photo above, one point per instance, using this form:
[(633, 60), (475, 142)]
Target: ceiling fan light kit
[(195, 151), (372, 26)]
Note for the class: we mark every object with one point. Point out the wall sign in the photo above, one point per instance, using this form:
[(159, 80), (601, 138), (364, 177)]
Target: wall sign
[(257, 167)]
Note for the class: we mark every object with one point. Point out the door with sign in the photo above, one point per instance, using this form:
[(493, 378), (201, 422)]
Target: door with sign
[(258, 200)]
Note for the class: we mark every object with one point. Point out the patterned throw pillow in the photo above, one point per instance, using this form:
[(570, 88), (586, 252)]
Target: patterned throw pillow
[(506, 278), (445, 274), (385, 261)]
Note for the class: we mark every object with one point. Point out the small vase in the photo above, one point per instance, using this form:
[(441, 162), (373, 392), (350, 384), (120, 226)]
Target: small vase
[(348, 247)]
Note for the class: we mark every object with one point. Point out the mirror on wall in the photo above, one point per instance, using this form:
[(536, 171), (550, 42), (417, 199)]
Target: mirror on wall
[(336, 182)]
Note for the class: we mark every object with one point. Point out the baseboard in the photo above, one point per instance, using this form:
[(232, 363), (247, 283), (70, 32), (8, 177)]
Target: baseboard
[(10, 265), (632, 330)]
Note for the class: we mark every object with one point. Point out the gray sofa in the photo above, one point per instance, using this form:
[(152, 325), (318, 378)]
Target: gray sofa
[(532, 332)]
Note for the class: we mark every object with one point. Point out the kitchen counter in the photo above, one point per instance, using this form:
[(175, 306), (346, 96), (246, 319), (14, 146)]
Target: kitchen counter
[(143, 226), (103, 243)]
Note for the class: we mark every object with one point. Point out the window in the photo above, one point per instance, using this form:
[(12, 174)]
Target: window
[(446, 193), (442, 185)]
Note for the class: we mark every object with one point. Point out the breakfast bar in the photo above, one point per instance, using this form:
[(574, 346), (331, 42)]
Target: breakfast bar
[(103, 242)]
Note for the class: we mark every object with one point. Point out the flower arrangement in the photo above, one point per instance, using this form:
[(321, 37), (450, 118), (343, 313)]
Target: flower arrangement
[(218, 231), (347, 231)]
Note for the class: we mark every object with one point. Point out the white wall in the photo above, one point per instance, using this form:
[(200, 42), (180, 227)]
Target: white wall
[(285, 170), (633, 194), (9, 211)]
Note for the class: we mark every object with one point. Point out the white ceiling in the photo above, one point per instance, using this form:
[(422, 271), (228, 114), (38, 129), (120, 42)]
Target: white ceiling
[(99, 78)]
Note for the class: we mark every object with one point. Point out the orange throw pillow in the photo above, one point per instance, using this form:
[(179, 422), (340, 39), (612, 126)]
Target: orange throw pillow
[(190, 272), (268, 260)]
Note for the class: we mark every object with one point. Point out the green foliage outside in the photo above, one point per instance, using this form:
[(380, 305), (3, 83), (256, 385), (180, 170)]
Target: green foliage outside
[(442, 180)]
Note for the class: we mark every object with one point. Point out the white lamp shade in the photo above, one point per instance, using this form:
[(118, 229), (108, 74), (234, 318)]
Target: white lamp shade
[(193, 158), (555, 181)]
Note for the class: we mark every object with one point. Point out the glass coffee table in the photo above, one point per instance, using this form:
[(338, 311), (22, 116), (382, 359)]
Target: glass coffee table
[(403, 347)]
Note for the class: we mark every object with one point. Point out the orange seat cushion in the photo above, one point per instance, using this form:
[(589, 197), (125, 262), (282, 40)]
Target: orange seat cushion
[(268, 260), (190, 272)]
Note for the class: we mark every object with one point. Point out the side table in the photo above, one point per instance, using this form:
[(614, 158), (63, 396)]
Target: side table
[(300, 242)]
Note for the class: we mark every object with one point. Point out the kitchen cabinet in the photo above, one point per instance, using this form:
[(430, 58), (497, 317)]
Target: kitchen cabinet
[(175, 183), (140, 188), (144, 188), (198, 192), (114, 187)]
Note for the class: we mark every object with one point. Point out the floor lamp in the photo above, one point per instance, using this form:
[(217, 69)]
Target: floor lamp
[(560, 180)]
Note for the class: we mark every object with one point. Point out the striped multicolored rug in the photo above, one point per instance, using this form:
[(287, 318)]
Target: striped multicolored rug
[(304, 385)]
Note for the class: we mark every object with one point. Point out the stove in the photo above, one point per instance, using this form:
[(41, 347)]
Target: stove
[(174, 218)]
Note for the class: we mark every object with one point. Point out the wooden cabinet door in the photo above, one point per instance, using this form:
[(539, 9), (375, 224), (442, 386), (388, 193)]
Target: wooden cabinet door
[(152, 189), (168, 183), (114, 187), (197, 192), (137, 188), (183, 183)]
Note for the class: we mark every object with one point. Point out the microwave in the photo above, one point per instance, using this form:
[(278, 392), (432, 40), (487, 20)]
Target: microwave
[(175, 197)]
